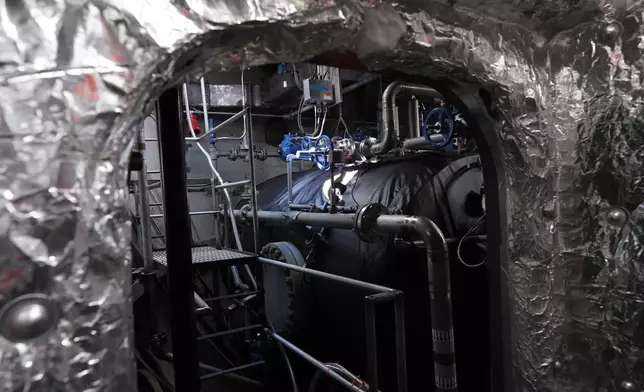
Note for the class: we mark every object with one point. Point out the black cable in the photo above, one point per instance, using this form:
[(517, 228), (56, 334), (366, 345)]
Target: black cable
[(460, 243)]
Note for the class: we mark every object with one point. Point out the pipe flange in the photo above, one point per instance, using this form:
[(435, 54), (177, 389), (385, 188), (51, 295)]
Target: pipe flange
[(246, 208), (366, 222)]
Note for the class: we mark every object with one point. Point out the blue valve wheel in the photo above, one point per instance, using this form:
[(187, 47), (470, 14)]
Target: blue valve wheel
[(322, 160), (438, 127)]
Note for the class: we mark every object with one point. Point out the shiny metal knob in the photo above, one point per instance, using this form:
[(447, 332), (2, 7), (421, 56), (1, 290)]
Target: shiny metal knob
[(616, 216), (627, 386), (28, 317)]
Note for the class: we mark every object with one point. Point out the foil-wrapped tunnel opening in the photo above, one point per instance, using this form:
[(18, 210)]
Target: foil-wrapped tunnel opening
[(563, 80)]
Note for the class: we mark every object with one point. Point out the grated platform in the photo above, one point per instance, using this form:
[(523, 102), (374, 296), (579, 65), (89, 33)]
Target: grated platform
[(203, 255)]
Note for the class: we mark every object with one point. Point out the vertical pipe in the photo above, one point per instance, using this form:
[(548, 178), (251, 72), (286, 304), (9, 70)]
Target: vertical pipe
[(215, 207), (442, 325), (332, 188), (401, 349), (372, 345), (289, 178), (178, 242), (248, 124), (416, 110)]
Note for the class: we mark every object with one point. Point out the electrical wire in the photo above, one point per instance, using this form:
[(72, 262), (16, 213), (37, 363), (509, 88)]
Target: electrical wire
[(460, 243)]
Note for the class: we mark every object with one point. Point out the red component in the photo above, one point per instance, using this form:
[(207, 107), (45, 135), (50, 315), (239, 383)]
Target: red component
[(195, 124)]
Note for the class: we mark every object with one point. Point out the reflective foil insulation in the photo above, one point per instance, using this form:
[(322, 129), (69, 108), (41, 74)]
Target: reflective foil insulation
[(565, 81)]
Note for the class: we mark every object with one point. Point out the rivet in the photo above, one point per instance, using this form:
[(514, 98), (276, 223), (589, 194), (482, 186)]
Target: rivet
[(28, 317)]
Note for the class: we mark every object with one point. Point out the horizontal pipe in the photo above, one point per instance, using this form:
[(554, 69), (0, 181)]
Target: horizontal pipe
[(191, 213), (338, 221), (420, 143), (326, 275), (253, 114), (352, 386), (232, 184), (227, 121)]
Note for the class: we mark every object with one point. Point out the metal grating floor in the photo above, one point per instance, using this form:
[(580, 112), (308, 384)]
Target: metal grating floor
[(207, 254)]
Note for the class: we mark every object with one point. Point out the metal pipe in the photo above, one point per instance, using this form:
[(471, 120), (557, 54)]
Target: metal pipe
[(387, 141), (328, 276), (338, 221), (420, 143), (414, 117), (157, 216), (253, 179), (232, 184), (440, 292), (401, 347), (289, 178), (232, 114), (372, 344), (345, 90), (227, 121), (144, 209), (179, 242), (321, 366)]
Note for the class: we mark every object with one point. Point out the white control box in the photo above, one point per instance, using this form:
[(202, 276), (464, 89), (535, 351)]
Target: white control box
[(318, 92)]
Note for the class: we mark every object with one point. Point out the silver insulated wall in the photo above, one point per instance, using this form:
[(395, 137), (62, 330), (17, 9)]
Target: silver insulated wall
[(565, 81)]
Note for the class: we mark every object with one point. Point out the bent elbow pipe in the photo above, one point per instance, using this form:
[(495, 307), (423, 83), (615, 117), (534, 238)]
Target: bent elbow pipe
[(389, 96), (438, 273)]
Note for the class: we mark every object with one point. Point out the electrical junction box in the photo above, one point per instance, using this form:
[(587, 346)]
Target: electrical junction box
[(318, 92)]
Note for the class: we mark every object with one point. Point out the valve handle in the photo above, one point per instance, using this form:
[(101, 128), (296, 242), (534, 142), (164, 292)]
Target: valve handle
[(438, 127)]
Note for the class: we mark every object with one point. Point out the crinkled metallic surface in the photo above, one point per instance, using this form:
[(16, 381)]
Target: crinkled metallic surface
[(566, 75)]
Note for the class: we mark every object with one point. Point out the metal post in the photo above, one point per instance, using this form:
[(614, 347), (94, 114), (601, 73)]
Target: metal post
[(401, 348), (289, 178), (144, 209), (215, 206), (372, 344), (178, 242), (248, 125)]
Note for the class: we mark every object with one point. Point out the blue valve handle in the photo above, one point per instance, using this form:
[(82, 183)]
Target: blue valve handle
[(444, 117)]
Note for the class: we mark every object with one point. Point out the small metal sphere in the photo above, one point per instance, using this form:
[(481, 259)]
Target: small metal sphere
[(616, 216), (627, 386), (27, 317), (613, 30)]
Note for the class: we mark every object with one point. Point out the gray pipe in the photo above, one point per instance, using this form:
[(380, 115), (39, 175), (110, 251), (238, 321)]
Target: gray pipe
[(439, 289), (420, 143), (338, 221), (437, 269), (386, 142), (414, 118)]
